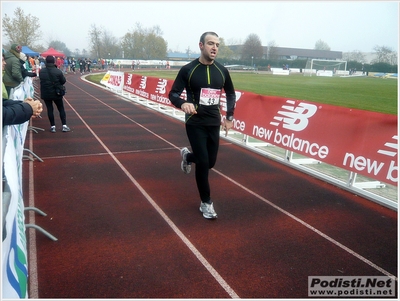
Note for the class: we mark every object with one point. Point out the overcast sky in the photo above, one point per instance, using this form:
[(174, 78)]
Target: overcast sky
[(343, 25)]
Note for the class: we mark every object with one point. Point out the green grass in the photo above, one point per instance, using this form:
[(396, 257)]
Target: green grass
[(365, 93)]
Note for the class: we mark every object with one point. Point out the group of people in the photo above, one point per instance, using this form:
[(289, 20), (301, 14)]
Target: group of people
[(204, 80), (15, 70)]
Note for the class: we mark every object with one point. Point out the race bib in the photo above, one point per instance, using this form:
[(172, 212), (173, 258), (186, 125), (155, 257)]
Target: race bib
[(209, 97)]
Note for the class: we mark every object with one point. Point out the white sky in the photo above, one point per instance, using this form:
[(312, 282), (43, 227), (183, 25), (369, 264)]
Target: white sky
[(343, 25)]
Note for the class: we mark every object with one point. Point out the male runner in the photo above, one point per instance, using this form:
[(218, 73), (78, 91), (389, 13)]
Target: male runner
[(204, 79)]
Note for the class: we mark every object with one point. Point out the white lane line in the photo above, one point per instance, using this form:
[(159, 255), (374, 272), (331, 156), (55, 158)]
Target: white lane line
[(185, 240), (355, 254), (350, 251)]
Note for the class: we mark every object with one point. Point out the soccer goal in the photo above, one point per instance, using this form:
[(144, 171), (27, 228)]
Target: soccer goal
[(325, 67)]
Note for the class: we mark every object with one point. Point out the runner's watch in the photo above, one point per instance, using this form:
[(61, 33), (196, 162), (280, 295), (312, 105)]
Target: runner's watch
[(230, 118)]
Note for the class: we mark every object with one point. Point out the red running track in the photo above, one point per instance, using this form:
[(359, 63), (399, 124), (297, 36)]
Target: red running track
[(128, 223)]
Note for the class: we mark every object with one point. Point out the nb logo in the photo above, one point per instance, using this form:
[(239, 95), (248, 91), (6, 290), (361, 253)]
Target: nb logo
[(161, 86), (129, 79), (392, 148), (294, 118), (143, 82)]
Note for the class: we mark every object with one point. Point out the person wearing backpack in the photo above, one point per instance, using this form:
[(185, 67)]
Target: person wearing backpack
[(52, 78)]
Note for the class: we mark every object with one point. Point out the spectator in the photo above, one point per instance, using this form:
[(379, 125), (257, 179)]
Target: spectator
[(26, 69), (49, 78), (12, 76), (65, 66), (59, 63), (17, 112)]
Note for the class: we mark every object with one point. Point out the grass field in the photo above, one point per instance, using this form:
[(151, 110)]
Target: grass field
[(365, 93)]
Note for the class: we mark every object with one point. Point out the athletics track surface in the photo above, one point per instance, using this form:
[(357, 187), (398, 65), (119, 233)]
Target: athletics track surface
[(128, 224)]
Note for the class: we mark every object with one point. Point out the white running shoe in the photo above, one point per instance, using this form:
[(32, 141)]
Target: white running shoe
[(185, 165), (208, 210)]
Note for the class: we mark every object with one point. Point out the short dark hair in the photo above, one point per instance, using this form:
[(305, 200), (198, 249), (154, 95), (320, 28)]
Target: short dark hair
[(203, 36)]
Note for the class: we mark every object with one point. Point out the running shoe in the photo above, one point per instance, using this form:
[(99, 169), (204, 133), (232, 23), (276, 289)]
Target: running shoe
[(208, 210), (53, 129), (65, 128), (185, 165)]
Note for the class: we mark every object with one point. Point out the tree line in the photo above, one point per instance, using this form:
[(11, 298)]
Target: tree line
[(148, 43)]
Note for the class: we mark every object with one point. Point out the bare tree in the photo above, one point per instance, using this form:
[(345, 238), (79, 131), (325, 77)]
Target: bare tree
[(22, 29), (60, 46), (385, 54), (224, 52), (95, 41), (252, 47), (356, 56), (144, 43), (321, 45), (272, 51)]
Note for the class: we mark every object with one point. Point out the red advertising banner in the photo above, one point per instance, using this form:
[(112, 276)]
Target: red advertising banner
[(360, 141)]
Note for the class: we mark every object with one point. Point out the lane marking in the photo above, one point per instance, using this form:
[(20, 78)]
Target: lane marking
[(185, 240), (330, 239), (350, 251)]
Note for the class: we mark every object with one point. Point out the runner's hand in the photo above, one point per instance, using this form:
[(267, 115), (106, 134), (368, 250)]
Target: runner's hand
[(227, 126), (188, 108)]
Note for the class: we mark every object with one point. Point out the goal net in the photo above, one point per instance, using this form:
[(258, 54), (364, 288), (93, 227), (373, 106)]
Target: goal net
[(325, 67)]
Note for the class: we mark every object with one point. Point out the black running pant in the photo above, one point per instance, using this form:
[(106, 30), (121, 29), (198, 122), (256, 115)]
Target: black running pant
[(204, 141), (50, 110)]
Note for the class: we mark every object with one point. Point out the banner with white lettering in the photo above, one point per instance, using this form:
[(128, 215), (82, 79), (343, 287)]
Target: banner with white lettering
[(151, 88), (356, 140), (113, 80)]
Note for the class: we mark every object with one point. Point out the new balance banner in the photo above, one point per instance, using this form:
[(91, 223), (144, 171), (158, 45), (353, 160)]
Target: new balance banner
[(360, 141)]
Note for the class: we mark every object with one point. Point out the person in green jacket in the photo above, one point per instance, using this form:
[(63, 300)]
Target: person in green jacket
[(13, 72)]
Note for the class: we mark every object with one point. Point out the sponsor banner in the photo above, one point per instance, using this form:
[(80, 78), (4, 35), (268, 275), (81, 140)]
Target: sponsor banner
[(14, 247), (351, 286), (14, 261), (150, 88), (356, 140), (113, 80)]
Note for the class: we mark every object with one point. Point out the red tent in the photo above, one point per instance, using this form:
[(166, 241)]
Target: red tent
[(53, 52)]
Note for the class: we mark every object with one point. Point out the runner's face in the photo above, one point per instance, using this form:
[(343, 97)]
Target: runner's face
[(209, 49)]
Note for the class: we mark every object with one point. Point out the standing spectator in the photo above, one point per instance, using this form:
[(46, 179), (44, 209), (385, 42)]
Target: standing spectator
[(59, 63), (204, 79), (37, 64), (49, 78), (26, 69), (12, 76), (133, 64), (17, 112), (42, 62), (65, 66), (32, 62)]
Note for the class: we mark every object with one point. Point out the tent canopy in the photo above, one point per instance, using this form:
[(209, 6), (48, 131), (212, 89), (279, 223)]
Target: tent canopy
[(53, 52), (28, 51)]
